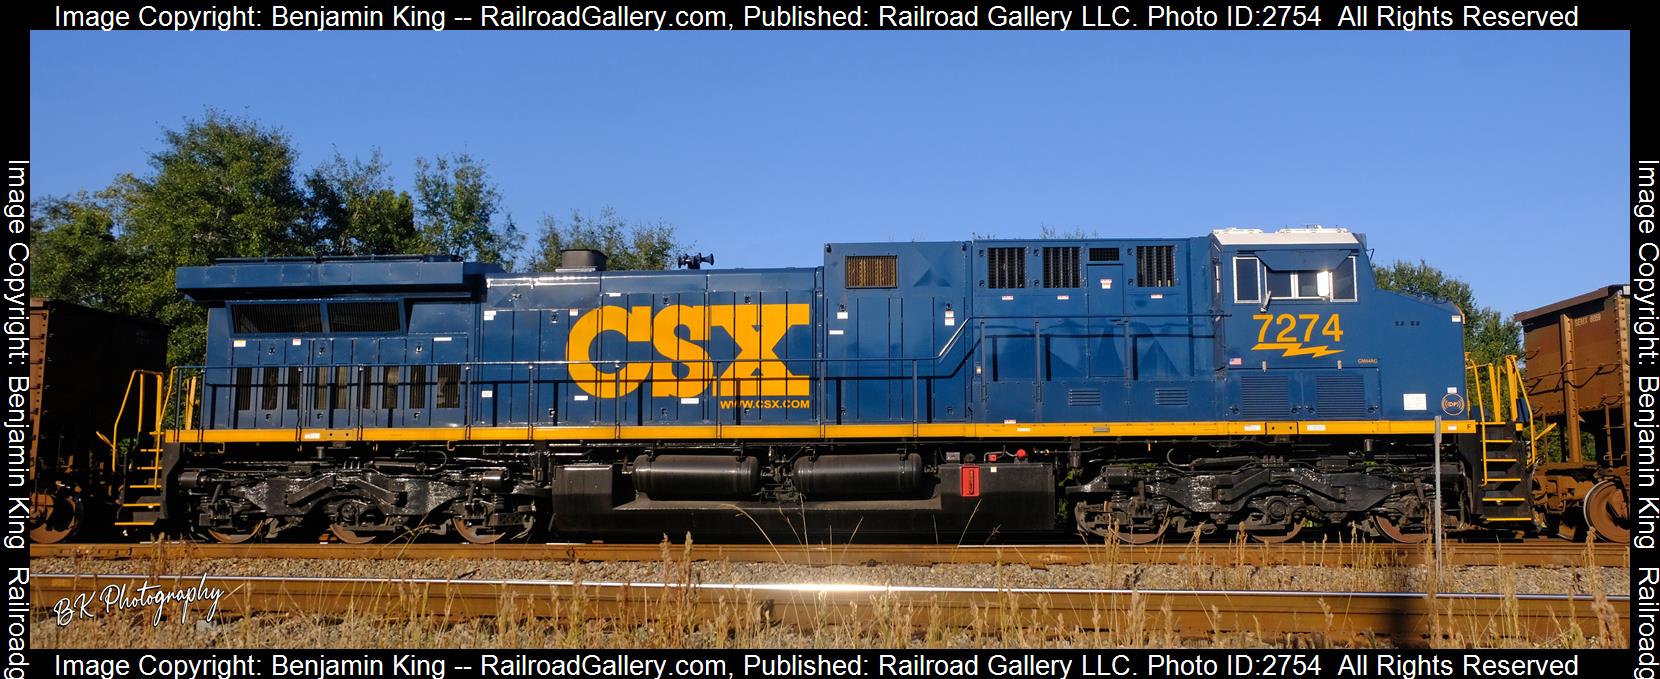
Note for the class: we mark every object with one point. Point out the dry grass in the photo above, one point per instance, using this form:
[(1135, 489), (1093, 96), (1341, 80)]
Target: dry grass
[(673, 617)]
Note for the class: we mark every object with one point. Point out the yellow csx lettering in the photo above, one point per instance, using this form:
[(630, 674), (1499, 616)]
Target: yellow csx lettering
[(1285, 340), (756, 328)]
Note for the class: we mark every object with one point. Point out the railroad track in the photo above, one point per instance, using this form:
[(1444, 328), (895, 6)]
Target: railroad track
[(1528, 553), (1405, 618)]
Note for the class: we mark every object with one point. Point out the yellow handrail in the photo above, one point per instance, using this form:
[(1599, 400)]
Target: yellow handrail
[(138, 379), (1519, 391), (1503, 399)]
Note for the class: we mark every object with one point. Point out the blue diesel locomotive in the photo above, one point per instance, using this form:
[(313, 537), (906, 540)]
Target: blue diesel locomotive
[(1241, 381)]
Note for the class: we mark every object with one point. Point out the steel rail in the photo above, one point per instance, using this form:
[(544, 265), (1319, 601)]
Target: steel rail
[(1404, 617), (1336, 555)]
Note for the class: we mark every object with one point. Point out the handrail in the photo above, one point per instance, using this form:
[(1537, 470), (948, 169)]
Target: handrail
[(1504, 400), (1515, 373), (147, 421)]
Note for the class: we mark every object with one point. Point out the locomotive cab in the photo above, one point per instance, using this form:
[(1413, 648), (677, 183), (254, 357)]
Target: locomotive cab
[(1308, 336)]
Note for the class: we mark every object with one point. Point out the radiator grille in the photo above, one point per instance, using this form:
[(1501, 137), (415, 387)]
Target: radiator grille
[(1103, 254), (873, 271), (1340, 395), (1155, 266), (1060, 268), (1083, 397), (1170, 397), (1266, 396), (1006, 267)]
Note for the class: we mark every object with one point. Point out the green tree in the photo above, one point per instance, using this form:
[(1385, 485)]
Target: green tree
[(354, 209), (77, 255), (221, 187), (630, 246), (1488, 335), (457, 209)]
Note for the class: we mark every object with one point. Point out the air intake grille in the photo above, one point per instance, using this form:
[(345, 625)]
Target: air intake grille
[(364, 317), (1340, 395), (1155, 266), (875, 271), (1083, 397), (1060, 268), (1103, 254), (1265, 396), (277, 318), (1170, 397), (1005, 267)]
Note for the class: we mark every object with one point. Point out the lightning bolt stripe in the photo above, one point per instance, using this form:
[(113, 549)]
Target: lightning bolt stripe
[(1297, 349)]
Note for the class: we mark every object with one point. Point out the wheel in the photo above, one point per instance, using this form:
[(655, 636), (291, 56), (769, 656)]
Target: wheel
[(1132, 535), (1102, 521), (53, 518), (345, 534), (1608, 512), (1276, 536), (1566, 527), (1389, 529), (478, 535), (232, 537)]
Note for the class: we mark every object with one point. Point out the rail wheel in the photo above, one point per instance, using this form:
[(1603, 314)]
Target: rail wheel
[(53, 517), (1395, 532), (475, 531), (355, 521), (236, 537), (1138, 535), (1274, 519), (1275, 536), (346, 534), (1566, 527), (1113, 523), (1609, 512)]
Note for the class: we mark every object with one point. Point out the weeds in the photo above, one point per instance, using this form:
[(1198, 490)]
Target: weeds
[(681, 610)]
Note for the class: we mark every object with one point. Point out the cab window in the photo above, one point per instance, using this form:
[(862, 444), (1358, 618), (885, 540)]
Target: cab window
[(1337, 285)]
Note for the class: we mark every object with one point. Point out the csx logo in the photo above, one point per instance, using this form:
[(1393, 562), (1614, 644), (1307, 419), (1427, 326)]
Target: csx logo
[(675, 333)]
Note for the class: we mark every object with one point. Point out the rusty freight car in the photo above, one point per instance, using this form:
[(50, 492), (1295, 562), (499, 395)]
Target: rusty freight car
[(80, 362), (1577, 375)]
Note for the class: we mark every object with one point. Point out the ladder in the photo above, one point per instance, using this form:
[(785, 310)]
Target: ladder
[(139, 499), (1509, 454)]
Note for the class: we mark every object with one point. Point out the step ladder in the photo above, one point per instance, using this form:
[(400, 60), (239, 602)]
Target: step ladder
[(1508, 452), (139, 499)]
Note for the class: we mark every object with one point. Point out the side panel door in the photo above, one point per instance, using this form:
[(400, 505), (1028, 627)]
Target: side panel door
[(243, 383), (419, 380), (1011, 355), (393, 372), (268, 399), (449, 352), (366, 380)]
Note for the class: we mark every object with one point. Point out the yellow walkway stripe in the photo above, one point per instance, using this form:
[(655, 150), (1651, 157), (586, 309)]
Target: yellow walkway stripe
[(730, 432)]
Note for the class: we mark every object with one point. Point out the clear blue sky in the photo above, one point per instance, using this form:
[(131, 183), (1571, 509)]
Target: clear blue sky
[(1501, 157)]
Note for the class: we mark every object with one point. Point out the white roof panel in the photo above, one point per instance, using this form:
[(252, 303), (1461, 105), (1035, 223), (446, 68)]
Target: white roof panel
[(1313, 235)]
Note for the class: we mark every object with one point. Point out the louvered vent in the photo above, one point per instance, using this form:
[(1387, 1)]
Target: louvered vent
[(1083, 397), (1060, 268), (1103, 254), (1155, 266), (873, 271), (1265, 396), (1340, 395), (1005, 267), (1170, 397)]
